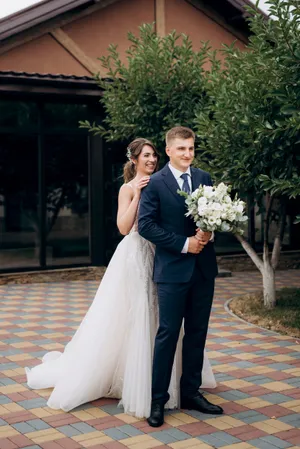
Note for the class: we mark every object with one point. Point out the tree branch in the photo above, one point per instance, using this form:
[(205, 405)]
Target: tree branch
[(251, 253)]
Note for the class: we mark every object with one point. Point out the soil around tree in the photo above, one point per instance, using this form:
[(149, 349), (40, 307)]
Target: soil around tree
[(284, 318)]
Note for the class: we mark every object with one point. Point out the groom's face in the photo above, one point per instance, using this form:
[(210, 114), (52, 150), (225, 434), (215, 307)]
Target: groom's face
[(181, 153)]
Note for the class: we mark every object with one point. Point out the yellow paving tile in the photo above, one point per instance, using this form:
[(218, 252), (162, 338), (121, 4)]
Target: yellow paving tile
[(253, 402), (237, 383), (217, 400), (232, 421), (215, 354), (96, 441), (146, 444), (291, 405), (192, 442), (8, 431), (40, 412), (137, 439), (12, 407), (246, 356), (281, 358), (53, 437), (293, 371), (3, 411), (17, 357), (218, 423), (84, 415), (52, 346), (277, 386), (23, 344), (28, 333), (225, 368), (271, 426), (294, 348), (173, 421), (88, 436), (266, 346), (14, 388), (185, 418), (98, 413), (239, 446), (128, 419), (261, 369)]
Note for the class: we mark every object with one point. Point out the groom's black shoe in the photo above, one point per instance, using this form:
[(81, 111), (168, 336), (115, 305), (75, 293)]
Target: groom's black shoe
[(199, 403), (156, 418)]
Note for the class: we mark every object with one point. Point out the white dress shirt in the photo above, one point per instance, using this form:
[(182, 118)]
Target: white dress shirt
[(177, 175)]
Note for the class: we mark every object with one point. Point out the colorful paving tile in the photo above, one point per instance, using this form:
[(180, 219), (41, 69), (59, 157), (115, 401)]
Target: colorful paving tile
[(258, 375)]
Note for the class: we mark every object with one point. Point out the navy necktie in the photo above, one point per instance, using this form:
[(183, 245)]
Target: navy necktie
[(185, 186)]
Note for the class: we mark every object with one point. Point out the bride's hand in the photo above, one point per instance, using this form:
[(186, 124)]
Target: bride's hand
[(139, 185)]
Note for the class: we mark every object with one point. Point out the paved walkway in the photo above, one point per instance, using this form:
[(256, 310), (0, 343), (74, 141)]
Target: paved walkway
[(258, 374)]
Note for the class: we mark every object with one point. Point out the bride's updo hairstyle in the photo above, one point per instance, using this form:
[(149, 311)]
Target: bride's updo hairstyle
[(134, 149)]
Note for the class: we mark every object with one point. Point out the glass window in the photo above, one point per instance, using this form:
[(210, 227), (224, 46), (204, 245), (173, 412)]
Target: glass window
[(19, 224), (67, 223), (18, 115)]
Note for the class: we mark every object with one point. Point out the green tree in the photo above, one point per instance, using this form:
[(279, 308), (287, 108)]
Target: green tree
[(250, 128), (161, 85)]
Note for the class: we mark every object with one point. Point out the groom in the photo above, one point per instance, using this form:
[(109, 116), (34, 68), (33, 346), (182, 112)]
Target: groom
[(184, 269)]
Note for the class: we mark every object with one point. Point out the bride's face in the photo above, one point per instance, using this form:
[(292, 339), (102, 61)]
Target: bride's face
[(146, 161)]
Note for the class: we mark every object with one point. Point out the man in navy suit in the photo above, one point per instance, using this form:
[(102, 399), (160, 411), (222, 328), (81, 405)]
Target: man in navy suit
[(184, 270)]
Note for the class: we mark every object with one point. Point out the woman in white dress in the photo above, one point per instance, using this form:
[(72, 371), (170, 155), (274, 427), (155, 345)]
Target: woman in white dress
[(110, 354)]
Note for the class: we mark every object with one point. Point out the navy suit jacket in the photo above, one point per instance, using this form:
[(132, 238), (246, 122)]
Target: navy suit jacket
[(162, 221)]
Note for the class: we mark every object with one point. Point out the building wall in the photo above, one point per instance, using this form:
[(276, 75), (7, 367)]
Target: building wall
[(94, 33), (42, 55), (185, 18)]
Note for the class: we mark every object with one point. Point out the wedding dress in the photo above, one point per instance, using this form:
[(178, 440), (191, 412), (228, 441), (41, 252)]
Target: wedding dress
[(110, 354)]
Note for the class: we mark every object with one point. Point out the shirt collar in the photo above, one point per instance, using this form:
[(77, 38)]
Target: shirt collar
[(178, 173)]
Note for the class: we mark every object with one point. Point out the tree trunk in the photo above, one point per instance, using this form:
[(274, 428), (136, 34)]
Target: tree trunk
[(268, 276)]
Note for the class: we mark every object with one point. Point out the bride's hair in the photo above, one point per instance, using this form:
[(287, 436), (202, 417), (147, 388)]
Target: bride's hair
[(134, 149)]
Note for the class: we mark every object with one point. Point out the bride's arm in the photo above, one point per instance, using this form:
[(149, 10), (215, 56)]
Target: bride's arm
[(129, 197), (127, 208)]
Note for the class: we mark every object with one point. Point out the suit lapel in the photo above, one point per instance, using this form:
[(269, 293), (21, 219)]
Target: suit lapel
[(196, 178), (172, 184)]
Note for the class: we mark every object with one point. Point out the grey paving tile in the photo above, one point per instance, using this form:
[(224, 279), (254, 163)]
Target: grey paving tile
[(293, 420), (227, 438), (178, 434), (116, 434), (33, 403), (277, 442), (212, 441), (4, 399), (23, 427), (83, 427), (279, 366), (275, 398), (38, 424), (112, 409), (130, 430), (69, 431), (256, 418), (163, 437), (2, 422)]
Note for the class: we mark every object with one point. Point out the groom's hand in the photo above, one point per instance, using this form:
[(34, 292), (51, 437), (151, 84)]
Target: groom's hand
[(195, 246), (203, 237)]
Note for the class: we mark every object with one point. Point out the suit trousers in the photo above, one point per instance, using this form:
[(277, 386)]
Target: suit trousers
[(192, 302)]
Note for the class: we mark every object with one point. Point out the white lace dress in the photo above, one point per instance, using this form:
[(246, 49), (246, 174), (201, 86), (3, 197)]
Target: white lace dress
[(110, 354)]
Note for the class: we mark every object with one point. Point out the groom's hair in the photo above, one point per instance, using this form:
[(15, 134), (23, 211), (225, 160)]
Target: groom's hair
[(179, 131)]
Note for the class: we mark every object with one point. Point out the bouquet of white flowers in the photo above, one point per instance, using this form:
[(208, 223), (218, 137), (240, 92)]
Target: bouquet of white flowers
[(213, 210)]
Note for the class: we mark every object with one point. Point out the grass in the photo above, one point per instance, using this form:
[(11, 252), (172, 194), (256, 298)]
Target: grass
[(284, 318)]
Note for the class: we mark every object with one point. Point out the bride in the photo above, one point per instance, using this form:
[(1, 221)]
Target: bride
[(110, 354)]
